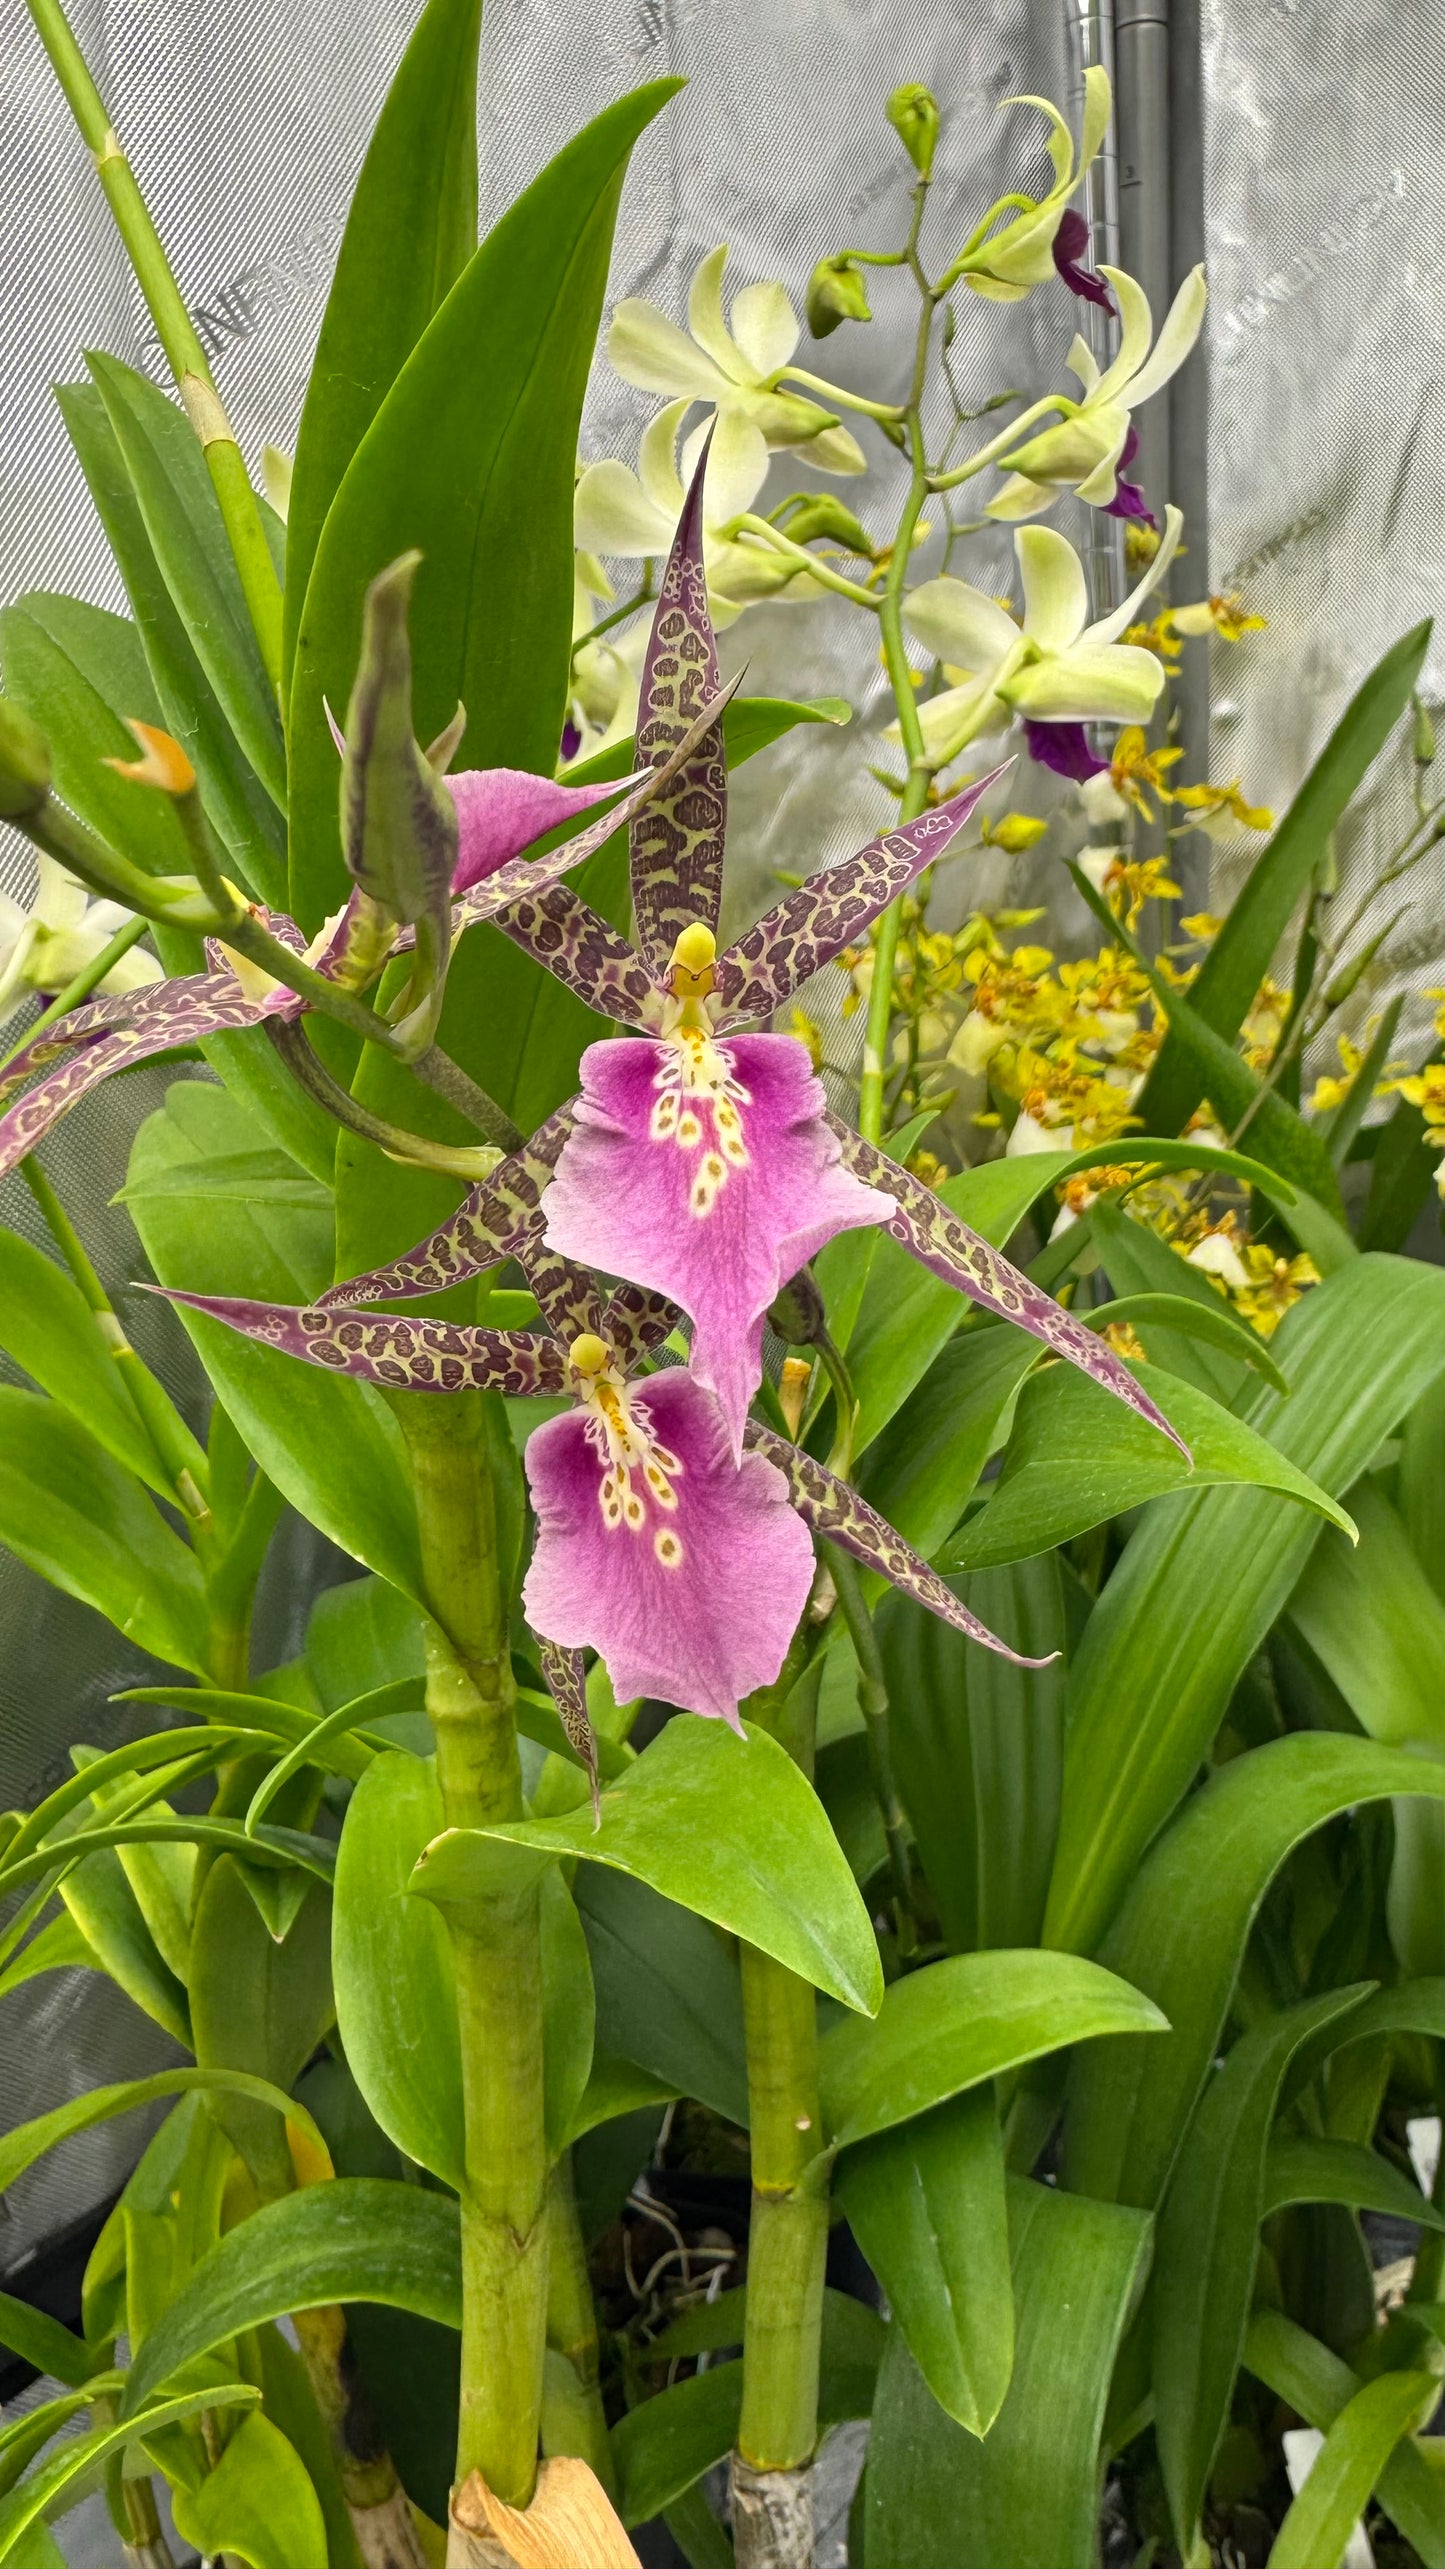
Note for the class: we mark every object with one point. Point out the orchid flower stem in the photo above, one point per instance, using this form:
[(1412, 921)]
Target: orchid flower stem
[(496, 1948), (776, 542), (89, 978), (174, 1446), (900, 677), (573, 2418), (176, 331), (997, 446), (839, 393), (101, 868), (873, 1705), (618, 615), (414, 1150), (788, 2238)]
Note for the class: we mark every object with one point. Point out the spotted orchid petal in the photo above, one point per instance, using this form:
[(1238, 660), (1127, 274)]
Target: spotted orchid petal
[(705, 1170), (494, 1221), (163, 1015), (501, 810), (636, 1321), (687, 1573), (83, 1025), (804, 930), (399, 1355), (834, 1509), (922, 1222), (562, 932), (676, 840), (567, 1686)]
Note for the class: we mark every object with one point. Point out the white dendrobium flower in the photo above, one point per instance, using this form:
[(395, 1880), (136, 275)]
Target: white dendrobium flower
[(1054, 667), (624, 514), (44, 947), (737, 370), (1007, 266), (1084, 449)]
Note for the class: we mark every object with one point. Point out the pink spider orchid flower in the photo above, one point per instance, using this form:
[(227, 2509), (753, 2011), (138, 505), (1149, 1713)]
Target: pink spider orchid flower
[(702, 1160), (685, 1571)]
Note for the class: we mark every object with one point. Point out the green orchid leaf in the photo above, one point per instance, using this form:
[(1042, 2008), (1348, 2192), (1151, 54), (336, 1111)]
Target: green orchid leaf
[(20, 2148), (1070, 1464), (939, 2498), (79, 671), (1223, 993), (978, 1749), (962, 2021), (410, 231), (257, 2505), (330, 1445), (50, 1331), (396, 2003), (1402, 1176), (258, 2002), (1303, 2168), (1204, 1576), (1375, 1623), (922, 1469), (68, 1510), (42, 2341), (1212, 1322), (926, 2205), (314, 1855), (183, 521), (104, 1909), (62, 1945), (352, 2239), (470, 459), (662, 2447), (1181, 1932), (246, 819), (568, 2012), (82, 2455), (1207, 2247), (1139, 1263), (1369, 2428), (668, 1994), (1317, 2383), (614, 2088), (728, 1827)]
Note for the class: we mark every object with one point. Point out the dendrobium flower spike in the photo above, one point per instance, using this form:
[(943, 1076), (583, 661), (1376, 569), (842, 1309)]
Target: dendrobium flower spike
[(737, 369), (703, 1163)]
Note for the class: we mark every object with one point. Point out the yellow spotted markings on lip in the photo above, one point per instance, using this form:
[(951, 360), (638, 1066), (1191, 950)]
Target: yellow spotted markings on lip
[(697, 1089), (640, 1472)]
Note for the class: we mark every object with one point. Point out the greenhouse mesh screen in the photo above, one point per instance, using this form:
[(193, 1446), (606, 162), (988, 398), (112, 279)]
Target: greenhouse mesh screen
[(246, 128)]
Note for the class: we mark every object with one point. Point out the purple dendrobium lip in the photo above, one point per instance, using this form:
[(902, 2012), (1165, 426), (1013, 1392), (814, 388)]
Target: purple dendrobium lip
[(1128, 499), (1064, 747), (1071, 248)]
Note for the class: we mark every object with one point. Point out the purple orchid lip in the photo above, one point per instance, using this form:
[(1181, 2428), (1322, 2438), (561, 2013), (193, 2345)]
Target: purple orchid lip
[(1065, 749), (1071, 248), (1128, 500)]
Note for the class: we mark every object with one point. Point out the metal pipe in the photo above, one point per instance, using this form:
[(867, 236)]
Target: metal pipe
[(1089, 29)]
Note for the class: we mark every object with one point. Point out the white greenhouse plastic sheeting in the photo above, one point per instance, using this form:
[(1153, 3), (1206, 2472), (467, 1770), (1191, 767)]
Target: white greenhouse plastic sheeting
[(1322, 153)]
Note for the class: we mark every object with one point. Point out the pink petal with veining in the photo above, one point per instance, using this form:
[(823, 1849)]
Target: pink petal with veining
[(501, 810)]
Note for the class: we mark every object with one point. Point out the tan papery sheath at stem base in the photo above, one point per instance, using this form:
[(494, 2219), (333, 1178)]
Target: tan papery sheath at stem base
[(570, 2524)]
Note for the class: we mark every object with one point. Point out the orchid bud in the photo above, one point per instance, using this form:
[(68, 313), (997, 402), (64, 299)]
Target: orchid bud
[(835, 293), (24, 764), (822, 514), (913, 114), (398, 822), (1424, 745), (797, 1314)]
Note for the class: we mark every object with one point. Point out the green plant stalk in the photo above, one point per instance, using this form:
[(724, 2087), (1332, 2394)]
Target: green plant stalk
[(873, 1705), (175, 330), (788, 2238), (573, 2418), (895, 657), (175, 1448), (496, 1946), (89, 978)]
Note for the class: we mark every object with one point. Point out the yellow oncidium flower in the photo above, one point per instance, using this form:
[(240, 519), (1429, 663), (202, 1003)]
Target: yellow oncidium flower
[(1014, 833), (809, 1034), (1275, 1283), (1203, 926), (1125, 1340), (1135, 771), (1221, 810), (1226, 615), (1159, 636), (1134, 881)]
